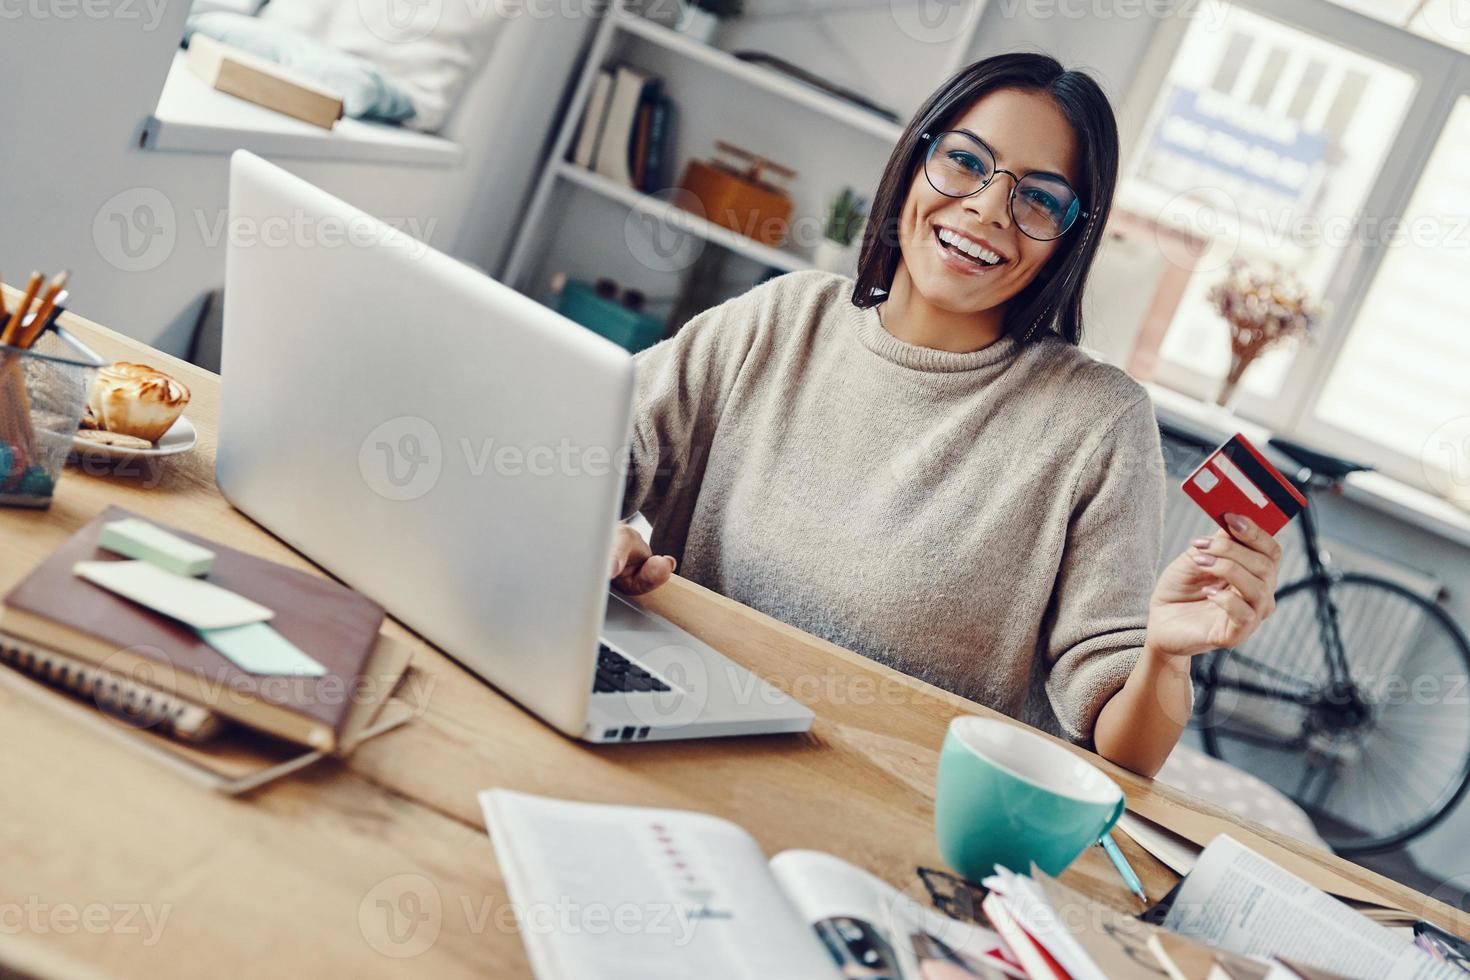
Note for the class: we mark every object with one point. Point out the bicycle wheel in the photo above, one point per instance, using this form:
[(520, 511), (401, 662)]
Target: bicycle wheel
[(1374, 763)]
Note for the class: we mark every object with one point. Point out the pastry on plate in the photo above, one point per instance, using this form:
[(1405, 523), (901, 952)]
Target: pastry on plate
[(136, 400), (114, 439)]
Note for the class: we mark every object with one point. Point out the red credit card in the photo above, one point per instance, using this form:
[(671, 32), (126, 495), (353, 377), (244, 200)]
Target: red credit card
[(1236, 479)]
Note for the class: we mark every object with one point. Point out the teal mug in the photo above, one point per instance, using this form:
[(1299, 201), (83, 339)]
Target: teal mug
[(1010, 796)]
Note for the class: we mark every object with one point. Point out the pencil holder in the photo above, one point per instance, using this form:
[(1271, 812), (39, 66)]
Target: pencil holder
[(43, 392)]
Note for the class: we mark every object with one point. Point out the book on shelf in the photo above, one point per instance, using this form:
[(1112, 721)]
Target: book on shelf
[(657, 154), (584, 151), (626, 129), (52, 609), (261, 81), (631, 88)]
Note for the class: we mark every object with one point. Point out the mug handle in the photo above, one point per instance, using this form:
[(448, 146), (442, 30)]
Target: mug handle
[(1117, 815)]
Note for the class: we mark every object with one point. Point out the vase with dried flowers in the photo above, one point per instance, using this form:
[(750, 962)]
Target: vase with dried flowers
[(1265, 307)]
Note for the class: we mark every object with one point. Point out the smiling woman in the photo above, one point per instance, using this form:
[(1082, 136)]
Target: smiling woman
[(957, 164), (922, 465)]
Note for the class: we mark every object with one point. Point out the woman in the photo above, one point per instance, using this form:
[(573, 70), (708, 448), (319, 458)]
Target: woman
[(922, 466)]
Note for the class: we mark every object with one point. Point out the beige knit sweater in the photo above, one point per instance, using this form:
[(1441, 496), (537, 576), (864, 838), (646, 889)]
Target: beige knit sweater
[(989, 522)]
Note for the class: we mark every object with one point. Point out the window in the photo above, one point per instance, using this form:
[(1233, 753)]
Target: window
[(1445, 21), (1265, 139), (1304, 133), (1403, 375)]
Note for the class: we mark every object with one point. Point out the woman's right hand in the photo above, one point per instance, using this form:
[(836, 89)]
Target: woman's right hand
[(635, 568)]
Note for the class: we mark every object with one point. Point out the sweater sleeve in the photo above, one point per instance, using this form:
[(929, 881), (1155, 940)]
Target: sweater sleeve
[(681, 390), (1107, 572)]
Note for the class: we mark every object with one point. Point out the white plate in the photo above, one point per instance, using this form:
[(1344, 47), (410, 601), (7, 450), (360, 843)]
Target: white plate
[(179, 438)]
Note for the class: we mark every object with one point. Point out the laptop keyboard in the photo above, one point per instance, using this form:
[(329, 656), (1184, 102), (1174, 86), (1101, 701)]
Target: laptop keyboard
[(616, 674)]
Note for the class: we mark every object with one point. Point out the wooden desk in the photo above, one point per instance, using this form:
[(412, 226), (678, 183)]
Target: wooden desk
[(114, 866)]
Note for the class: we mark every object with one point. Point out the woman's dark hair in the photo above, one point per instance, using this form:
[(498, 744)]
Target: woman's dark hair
[(1053, 300)]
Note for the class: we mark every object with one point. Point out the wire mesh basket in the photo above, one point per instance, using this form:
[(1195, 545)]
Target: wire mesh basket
[(43, 392)]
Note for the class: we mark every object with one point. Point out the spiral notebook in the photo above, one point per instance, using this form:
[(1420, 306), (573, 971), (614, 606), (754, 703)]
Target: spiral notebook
[(126, 699), (233, 759)]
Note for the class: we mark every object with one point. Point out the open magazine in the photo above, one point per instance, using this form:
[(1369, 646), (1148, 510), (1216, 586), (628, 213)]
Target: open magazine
[(1236, 916), (631, 893), (1236, 900)]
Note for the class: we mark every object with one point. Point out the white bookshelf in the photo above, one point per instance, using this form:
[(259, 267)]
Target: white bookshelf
[(832, 142), (671, 214)]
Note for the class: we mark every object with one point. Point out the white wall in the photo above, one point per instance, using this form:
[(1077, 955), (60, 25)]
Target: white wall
[(75, 93), (1107, 39)]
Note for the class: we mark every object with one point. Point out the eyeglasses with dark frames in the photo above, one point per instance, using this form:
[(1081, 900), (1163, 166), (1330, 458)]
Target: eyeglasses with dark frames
[(1043, 205)]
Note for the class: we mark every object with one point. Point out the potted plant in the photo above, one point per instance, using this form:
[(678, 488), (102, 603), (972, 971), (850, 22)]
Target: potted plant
[(701, 18), (846, 216), (1264, 308)]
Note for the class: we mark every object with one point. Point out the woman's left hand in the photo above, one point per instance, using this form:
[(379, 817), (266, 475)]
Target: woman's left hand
[(1215, 594)]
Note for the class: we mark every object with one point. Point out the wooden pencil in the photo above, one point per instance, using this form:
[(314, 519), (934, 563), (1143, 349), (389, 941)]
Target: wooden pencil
[(48, 303), (12, 328)]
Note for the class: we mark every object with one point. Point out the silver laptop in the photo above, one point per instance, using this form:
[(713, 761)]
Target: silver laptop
[(456, 451)]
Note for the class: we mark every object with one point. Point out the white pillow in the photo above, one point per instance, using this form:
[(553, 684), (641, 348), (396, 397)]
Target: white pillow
[(431, 47), (307, 17)]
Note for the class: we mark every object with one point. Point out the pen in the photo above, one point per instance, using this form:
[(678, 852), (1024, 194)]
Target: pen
[(1130, 877)]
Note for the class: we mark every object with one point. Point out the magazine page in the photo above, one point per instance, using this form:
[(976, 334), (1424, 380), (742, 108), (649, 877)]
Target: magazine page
[(631, 893), (1091, 939), (874, 931), (1239, 901)]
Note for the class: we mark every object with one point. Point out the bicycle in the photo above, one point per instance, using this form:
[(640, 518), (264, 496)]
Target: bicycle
[(1351, 699)]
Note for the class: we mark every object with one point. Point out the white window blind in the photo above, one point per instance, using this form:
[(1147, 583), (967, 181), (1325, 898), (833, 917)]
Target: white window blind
[(1403, 377)]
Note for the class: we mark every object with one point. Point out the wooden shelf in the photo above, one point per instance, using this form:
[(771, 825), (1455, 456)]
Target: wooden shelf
[(675, 216), (192, 117), (772, 81)]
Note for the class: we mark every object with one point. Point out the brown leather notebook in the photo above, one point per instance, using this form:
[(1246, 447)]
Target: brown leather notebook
[(330, 622)]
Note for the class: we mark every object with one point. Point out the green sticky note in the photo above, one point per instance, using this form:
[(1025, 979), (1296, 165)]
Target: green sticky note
[(257, 648), (149, 542)]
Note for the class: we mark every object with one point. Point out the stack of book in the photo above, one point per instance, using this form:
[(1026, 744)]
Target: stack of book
[(162, 686), (626, 133)]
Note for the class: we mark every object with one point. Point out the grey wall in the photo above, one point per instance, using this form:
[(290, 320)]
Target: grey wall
[(74, 96)]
